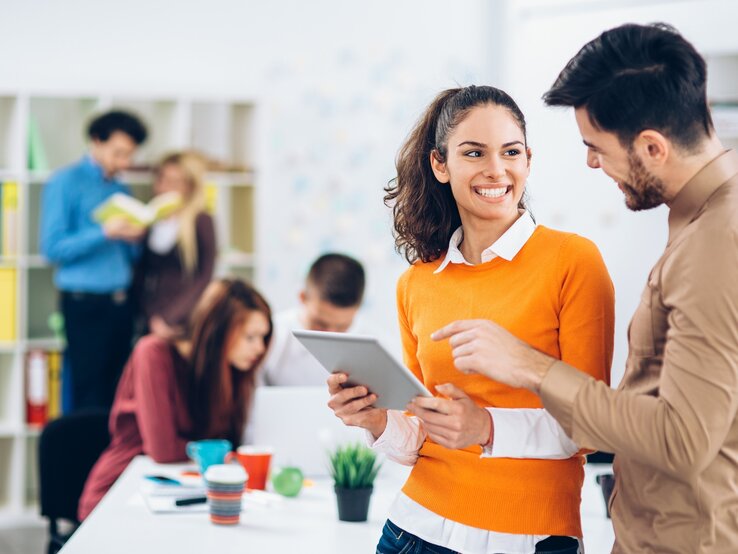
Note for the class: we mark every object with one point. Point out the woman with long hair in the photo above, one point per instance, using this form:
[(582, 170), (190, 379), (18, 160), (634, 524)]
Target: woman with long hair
[(179, 252), (174, 392), (492, 471)]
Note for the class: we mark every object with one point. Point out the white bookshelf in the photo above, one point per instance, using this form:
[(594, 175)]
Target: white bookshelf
[(222, 129)]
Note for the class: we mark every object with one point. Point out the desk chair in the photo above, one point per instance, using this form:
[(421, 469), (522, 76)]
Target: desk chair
[(67, 450)]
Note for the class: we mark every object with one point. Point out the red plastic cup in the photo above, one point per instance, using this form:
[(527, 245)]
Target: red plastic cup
[(255, 460)]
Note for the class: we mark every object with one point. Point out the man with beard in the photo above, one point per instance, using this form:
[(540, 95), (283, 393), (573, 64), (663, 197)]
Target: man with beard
[(640, 104)]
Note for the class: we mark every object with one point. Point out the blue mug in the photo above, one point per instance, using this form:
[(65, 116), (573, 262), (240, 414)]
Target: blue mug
[(208, 452)]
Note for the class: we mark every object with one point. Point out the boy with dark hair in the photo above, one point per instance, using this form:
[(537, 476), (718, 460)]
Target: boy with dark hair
[(640, 103), (333, 292), (94, 262)]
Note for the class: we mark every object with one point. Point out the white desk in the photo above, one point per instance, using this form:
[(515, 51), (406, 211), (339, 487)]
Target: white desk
[(122, 523)]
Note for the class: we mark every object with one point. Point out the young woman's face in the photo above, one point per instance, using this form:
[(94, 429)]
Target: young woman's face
[(248, 344), (171, 178), (487, 165)]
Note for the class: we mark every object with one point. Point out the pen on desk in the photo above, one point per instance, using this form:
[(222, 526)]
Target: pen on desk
[(190, 501)]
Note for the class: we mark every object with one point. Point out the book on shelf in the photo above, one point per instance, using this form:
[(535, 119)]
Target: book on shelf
[(9, 218), (211, 197), (55, 384), (43, 386), (8, 287), (135, 211), (37, 387), (36, 152)]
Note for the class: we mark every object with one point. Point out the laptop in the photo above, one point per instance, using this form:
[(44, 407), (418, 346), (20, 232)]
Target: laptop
[(298, 425)]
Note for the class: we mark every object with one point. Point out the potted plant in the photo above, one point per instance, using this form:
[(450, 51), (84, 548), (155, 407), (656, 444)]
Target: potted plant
[(353, 468)]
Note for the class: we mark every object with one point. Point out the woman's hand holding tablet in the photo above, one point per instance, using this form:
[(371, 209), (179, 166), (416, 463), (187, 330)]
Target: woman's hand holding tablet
[(353, 405), (366, 363)]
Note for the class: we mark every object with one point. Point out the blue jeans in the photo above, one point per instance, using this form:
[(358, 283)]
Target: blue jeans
[(395, 540), (398, 541)]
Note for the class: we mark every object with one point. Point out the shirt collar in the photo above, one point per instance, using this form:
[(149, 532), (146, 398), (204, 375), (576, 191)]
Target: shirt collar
[(96, 169), (689, 201), (505, 247)]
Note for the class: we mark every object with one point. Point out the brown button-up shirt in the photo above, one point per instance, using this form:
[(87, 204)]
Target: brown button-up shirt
[(672, 421)]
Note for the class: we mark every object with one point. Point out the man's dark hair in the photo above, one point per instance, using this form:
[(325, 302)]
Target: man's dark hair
[(337, 279), (637, 77), (108, 123)]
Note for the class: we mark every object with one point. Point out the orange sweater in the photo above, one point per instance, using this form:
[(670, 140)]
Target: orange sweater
[(557, 296)]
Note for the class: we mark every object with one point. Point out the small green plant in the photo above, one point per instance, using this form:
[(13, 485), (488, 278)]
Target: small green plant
[(354, 466)]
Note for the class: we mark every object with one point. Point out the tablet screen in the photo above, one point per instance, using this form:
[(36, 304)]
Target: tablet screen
[(367, 363)]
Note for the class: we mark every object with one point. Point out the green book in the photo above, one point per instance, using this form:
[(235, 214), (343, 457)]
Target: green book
[(135, 211), (36, 153)]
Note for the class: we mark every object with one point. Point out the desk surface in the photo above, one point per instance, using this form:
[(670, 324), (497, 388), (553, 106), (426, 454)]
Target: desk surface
[(122, 523)]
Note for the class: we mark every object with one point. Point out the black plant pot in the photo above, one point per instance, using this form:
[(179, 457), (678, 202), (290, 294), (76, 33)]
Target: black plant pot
[(606, 481), (353, 504)]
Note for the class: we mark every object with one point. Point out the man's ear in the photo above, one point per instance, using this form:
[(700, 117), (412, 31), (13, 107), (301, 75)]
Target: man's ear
[(653, 148), (303, 296), (439, 167)]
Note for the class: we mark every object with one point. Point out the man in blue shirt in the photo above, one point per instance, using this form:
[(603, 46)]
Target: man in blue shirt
[(94, 262)]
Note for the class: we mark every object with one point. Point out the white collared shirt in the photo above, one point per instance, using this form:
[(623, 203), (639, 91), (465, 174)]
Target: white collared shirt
[(505, 247), (519, 433)]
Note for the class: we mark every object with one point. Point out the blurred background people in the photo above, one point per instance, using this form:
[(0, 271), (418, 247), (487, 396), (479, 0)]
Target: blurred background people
[(94, 262), (333, 292), (172, 392), (179, 251)]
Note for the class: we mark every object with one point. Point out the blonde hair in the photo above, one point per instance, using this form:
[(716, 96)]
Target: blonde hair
[(193, 165)]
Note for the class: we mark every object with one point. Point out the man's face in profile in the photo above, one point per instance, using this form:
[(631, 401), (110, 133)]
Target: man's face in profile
[(321, 315), (642, 189), (115, 154)]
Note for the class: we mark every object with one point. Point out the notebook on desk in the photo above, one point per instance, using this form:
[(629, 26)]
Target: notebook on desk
[(297, 423)]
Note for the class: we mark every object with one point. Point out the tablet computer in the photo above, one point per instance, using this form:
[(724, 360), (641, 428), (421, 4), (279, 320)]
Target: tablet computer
[(367, 363)]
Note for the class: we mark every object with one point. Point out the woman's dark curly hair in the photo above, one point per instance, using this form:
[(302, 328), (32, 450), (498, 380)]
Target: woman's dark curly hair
[(424, 210)]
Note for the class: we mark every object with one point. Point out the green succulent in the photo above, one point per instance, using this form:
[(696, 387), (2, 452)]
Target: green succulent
[(354, 466)]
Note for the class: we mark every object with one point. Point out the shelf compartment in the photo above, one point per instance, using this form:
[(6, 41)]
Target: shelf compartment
[(10, 401), (223, 131), (241, 231), (41, 303), (34, 218), (9, 143), (161, 120), (31, 487), (6, 478), (62, 128)]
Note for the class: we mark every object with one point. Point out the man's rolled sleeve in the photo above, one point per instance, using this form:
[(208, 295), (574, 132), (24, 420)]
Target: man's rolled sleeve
[(559, 391)]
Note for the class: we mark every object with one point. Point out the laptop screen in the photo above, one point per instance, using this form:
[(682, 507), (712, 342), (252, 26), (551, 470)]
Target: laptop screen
[(298, 426)]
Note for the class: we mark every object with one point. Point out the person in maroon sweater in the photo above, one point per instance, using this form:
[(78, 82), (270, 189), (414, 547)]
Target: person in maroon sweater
[(174, 392), (179, 251)]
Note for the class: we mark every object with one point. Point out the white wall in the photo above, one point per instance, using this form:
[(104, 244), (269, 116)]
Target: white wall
[(338, 84)]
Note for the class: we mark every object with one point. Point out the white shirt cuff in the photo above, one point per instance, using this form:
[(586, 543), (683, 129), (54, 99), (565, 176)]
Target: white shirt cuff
[(528, 433), (401, 440)]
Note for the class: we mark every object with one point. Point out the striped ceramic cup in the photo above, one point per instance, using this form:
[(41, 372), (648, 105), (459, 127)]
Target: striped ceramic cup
[(225, 484)]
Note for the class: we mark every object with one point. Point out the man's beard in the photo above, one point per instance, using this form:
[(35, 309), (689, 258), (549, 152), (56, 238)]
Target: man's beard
[(643, 191)]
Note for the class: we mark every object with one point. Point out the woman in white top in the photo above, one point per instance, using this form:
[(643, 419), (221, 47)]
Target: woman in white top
[(179, 253), (460, 215)]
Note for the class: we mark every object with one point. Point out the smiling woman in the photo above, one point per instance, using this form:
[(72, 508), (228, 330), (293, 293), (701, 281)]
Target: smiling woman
[(492, 471)]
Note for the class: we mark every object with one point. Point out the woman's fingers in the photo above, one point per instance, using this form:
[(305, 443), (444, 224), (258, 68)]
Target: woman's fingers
[(335, 382), (355, 406)]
